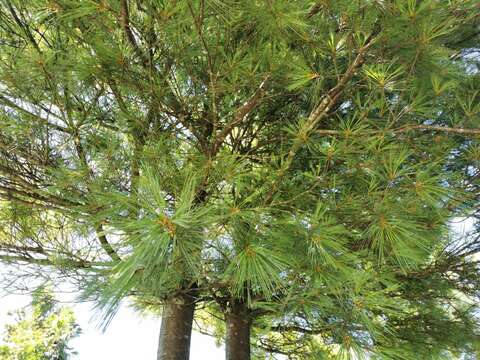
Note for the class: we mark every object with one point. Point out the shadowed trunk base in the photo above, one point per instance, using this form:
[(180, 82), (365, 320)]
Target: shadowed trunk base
[(237, 344), (176, 329)]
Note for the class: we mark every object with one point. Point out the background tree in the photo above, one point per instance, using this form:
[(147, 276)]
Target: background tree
[(42, 332)]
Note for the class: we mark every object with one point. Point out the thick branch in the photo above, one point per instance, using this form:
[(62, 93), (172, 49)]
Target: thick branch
[(331, 97), (462, 131), (322, 109), (242, 112), (435, 128), (125, 22), (107, 247), (314, 10)]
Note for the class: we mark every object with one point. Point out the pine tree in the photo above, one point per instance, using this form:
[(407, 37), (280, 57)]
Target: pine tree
[(291, 165)]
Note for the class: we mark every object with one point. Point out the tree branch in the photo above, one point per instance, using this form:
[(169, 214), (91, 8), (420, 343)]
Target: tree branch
[(322, 109), (242, 112), (331, 97), (107, 247), (12, 105), (435, 128), (125, 22), (46, 262), (23, 26), (296, 328), (314, 10), (462, 131)]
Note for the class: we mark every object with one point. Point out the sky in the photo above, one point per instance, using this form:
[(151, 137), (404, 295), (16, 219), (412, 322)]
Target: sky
[(129, 336)]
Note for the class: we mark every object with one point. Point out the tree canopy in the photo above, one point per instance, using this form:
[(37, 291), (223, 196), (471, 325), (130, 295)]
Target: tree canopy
[(292, 167), (41, 332)]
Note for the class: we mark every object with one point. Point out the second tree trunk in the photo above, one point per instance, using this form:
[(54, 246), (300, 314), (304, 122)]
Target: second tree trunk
[(237, 344), (176, 329)]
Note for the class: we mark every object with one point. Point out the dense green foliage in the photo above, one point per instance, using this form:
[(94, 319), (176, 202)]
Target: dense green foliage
[(42, 333), (302, 158)]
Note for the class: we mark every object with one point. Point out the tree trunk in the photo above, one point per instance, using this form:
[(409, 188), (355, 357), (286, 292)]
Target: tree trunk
[(237, 343), (176, 329)]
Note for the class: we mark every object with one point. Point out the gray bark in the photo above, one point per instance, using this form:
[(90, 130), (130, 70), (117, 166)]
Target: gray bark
[(237, 343), (176, 329)]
